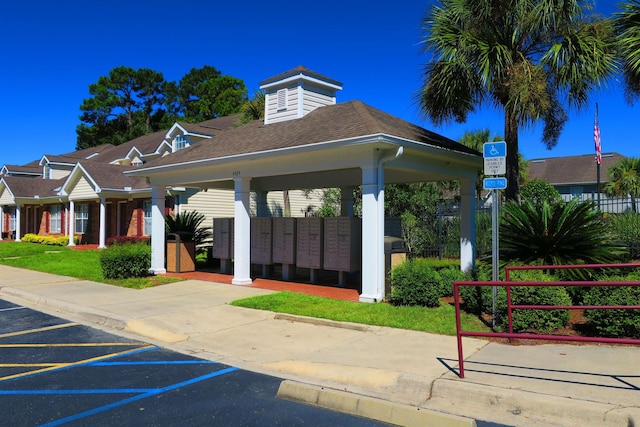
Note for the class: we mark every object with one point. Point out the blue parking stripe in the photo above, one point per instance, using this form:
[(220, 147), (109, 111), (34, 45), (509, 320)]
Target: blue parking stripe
[(156, 362), (139, 397)]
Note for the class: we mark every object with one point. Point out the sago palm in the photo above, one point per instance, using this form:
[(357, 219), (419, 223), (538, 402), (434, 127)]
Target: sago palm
[(521, 56), (190, 222), (555, 234)]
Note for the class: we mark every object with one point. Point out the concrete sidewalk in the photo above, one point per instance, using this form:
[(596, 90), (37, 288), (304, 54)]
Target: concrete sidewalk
[(394, 375)]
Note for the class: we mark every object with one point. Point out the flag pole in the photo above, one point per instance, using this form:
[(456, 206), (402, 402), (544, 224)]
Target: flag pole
[(597, 141)]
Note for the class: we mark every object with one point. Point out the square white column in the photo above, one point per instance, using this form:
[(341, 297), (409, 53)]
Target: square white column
[(157, 230), (467, 224), (242, 232)]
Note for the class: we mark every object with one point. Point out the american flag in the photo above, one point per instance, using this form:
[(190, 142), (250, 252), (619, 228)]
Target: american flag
[(596, 138)]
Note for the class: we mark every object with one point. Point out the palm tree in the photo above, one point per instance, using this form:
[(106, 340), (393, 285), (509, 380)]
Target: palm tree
[(518, 55), (627, 23), (624, 180)]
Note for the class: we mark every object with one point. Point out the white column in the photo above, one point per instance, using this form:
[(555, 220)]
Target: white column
[(346, 201), (467, 224), (242, 234), (372, 237), (72, 223), (17, 223), (262, 207), (157, 230), (1, 221), (103, 223)]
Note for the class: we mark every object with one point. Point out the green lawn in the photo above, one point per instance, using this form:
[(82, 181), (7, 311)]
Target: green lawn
[(81, 264), (440, 320)]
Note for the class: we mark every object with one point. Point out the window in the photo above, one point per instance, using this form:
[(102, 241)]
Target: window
[(282, 99), (55, 219), (82, 218), (146, 230), (47, 171), (180, 142), (12, 219)]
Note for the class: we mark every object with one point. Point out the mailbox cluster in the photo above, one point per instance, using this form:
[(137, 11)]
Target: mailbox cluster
[(333, 244)]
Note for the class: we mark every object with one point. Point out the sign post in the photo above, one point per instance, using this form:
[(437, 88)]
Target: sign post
[(495, 163)]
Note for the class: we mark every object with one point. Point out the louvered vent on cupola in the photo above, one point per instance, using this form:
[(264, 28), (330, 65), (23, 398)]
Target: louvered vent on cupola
[(295, 93)]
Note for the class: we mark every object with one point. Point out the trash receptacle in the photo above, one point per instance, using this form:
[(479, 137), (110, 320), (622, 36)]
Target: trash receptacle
[(395, 252), (181, 252)]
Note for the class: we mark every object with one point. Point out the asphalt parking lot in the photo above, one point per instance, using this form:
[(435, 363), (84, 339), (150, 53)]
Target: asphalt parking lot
[(55, 372)]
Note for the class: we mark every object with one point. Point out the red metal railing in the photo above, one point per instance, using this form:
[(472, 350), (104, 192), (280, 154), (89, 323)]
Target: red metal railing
[(510, 306)]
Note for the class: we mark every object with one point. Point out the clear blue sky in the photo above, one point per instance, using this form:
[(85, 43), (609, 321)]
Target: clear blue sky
[(50, 52)]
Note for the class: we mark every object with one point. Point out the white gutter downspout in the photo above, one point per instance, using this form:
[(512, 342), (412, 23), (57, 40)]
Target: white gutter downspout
[(380, 252)]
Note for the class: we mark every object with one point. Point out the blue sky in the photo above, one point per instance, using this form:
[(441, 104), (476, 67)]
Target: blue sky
[(50, 52)]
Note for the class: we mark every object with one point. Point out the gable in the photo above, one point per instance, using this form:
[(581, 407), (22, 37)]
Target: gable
[(82, 190)]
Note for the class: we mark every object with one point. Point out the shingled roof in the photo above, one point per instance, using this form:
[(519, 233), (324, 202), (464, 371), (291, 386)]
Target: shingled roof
[(111, 177), (325, 124), (572, 169), (26, 187)]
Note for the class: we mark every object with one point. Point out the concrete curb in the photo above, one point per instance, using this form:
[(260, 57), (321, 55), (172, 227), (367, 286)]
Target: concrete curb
[(323, 322), (519, 407), (369, 407), (87, 314)]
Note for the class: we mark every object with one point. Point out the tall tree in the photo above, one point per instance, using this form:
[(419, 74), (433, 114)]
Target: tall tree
[(124, 105), (624, 180), (627, 23), (204, 93), (519, 55)]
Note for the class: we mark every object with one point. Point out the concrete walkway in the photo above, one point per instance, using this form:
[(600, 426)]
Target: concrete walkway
[(398, 376)]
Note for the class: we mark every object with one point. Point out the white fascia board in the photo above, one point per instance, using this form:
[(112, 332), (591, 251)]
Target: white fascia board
[(360, 140), (165, 144), (303, 77), (175, 126), (43, 160), (7, 188)]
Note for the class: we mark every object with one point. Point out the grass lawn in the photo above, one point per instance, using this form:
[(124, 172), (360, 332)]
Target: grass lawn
[(439, 320), (62, 260)]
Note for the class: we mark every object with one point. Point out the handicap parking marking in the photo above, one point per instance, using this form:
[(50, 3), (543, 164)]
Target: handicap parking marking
[(34, 331), (59, 366)]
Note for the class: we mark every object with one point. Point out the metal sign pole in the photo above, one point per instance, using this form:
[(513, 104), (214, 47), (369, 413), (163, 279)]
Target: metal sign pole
[(494, 250)]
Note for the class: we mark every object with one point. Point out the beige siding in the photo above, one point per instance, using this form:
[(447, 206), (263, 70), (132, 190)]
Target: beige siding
[(297, 199), (211, 203), (59, 173), (5, 198), (316, 97), (292, 106), (82, 190)]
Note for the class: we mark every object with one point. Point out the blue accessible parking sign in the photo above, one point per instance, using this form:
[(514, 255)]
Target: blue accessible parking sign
[(494, 183)]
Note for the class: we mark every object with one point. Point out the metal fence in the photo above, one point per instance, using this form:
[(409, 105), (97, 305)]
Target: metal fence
[(442, 237)]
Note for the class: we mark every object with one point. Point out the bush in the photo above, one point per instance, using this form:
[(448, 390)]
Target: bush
[(125, 240), (615, 323), (447, 277), (478, 299), (125, 261), (415, 283), (47, 240)]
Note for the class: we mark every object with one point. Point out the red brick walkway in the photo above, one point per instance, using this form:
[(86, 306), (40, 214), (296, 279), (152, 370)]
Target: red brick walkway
[(276, 285)]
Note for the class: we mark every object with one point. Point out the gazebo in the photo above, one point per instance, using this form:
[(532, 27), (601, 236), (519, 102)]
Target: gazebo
[(307, 141)]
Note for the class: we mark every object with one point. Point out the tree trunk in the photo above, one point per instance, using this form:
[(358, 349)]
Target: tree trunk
[(287, 203), (513, 168)]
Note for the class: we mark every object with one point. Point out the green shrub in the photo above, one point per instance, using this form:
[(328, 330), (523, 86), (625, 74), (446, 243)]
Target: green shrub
[(539, 320), (415, 283), (478, 299), (615, 323), (124, 261), (47, 240), (447, 277), (126, 240)]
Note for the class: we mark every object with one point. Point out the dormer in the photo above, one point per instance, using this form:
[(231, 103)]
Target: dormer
[(183, 135), (295, 93)]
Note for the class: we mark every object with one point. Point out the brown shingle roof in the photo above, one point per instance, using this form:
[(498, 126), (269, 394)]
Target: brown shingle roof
[(299, 70), (29, 187), (112, 176), (572, 169), (330, 123)]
